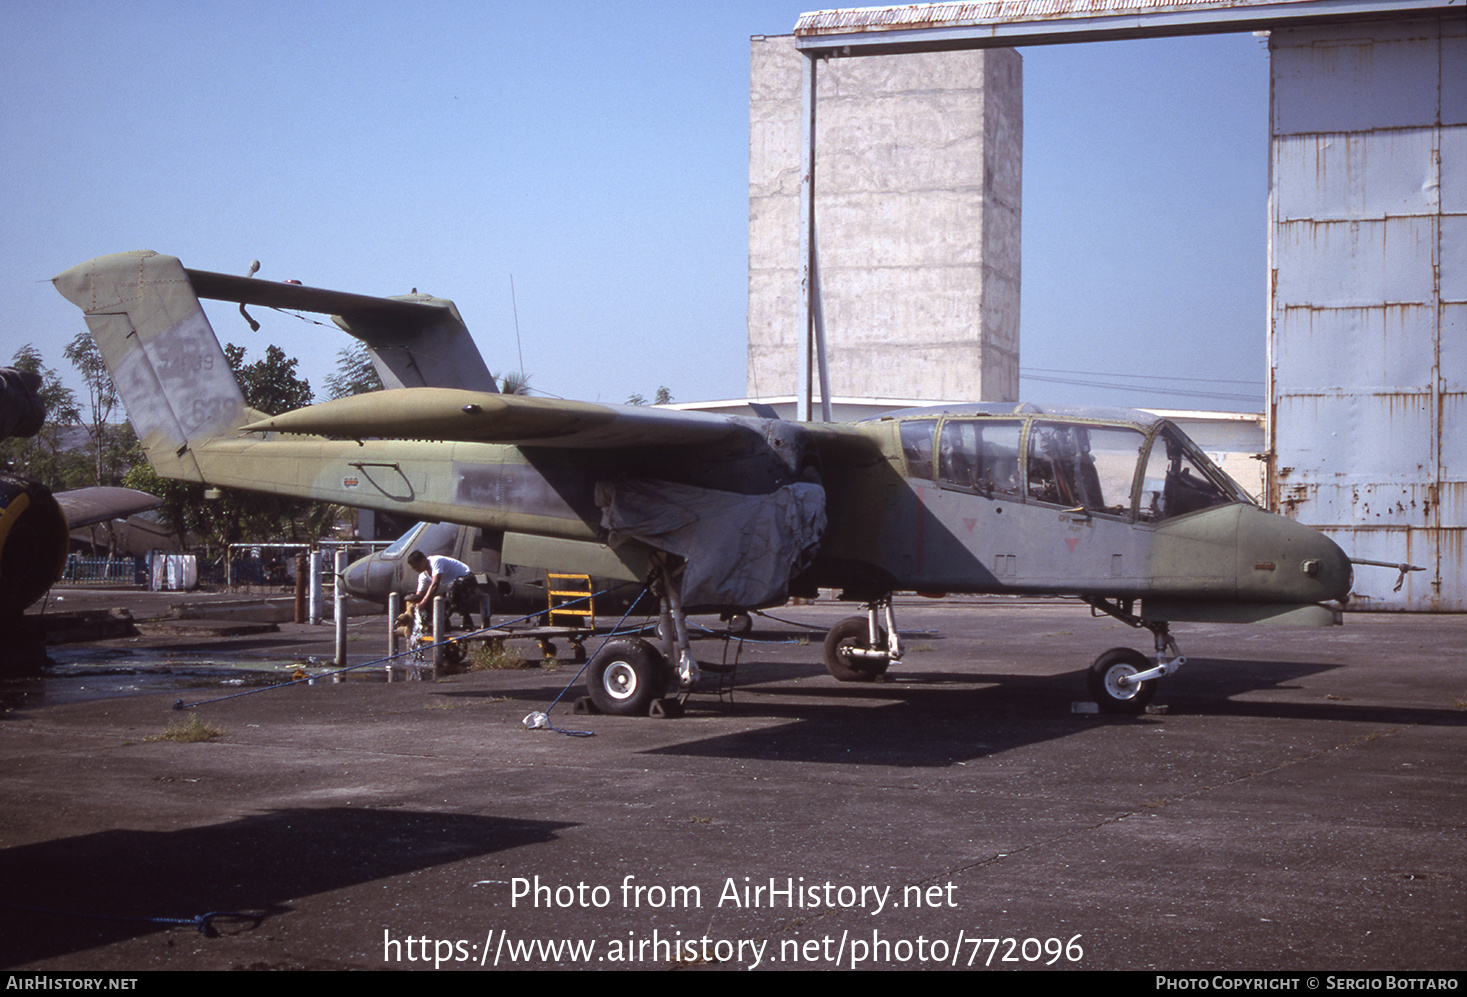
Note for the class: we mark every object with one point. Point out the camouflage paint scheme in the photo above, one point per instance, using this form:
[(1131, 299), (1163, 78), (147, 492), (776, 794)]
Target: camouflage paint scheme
[(1110, 505)]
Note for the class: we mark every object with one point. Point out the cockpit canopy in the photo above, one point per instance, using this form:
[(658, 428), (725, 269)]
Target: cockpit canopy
[(1144, 473)]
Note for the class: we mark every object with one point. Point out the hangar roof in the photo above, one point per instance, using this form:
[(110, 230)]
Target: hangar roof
[(955, 25)]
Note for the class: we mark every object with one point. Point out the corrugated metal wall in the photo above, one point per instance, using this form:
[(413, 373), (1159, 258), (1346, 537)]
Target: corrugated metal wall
[(1368, 299)]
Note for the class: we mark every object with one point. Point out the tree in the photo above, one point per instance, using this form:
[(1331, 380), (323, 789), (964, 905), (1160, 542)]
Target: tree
[(355, 373), (512, 382), (44, 456), (111, 444), (269, 385), (662, 397)]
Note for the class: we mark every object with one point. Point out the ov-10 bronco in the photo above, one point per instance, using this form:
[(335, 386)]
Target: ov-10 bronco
[(1113, 506)]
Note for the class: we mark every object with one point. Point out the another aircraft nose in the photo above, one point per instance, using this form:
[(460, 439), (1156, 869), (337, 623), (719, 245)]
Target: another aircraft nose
[(355, 578), (1335, 574), (1284, 561)]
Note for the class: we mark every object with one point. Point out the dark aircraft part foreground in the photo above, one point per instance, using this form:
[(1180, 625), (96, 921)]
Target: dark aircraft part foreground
[(34, 528), (34, 537), (22, 413), (1113, 506), (34, 525), (33, 543)]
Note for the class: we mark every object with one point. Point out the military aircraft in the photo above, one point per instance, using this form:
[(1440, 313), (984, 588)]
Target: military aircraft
[(1113, 506)]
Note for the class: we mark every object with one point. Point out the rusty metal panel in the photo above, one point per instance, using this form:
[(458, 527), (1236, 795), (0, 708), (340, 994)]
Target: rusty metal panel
[(1454, 82), (1360, 263), (1420, 590), (1368, 301), (1331, 437), (1339, 175), (1377, 73), (1453, 350), (1454, 251), (1320, 348)]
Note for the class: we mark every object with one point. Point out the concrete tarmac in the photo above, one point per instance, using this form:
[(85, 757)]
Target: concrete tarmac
[(1299, 803)]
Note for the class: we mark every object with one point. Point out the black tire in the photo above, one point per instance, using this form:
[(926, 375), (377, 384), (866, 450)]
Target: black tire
[(853, 633), (1108, 693), (626, 676)]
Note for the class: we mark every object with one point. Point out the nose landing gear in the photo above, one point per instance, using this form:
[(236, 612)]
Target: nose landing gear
[(860, 649), (1122, 680)]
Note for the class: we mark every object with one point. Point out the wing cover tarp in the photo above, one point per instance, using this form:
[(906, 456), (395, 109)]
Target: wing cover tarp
[(741, 550)]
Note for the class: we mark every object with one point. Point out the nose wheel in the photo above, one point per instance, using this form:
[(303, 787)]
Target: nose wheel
[(860, 649), (850, 655), (1113, 683)]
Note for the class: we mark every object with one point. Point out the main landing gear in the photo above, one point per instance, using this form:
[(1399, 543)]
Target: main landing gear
[(859, 649), (629, 676), (1123, 680), (626, 676)]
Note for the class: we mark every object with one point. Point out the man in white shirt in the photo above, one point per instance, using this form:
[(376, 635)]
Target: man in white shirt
[(441, 575)]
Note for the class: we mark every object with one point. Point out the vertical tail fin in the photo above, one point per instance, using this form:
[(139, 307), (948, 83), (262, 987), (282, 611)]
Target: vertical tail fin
[(162, 352), (165, 360)]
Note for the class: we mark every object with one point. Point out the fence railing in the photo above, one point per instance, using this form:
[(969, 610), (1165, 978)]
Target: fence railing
[(104, 572), (264, 565)]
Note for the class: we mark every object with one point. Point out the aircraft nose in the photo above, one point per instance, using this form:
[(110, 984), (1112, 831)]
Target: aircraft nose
[(355, 578), (1336, 575), (1289, 562)]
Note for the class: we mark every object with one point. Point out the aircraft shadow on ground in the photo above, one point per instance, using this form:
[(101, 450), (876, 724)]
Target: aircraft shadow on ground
[(923, 723), (108, 883)]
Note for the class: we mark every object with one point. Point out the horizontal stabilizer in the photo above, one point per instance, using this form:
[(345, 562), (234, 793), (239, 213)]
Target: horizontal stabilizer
[(273, 294), (481, 417), (415, 340)]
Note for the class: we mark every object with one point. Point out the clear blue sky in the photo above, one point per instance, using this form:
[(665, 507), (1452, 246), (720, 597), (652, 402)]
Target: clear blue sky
[(598, 152)]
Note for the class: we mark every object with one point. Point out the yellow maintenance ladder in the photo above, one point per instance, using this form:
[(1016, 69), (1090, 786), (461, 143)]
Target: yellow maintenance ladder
[(570, 595)]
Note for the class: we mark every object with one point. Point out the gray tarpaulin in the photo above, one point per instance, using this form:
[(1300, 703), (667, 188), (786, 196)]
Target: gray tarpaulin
[(740, 549)]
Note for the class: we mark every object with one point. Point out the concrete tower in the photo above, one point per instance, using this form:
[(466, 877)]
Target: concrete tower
[(917, 190)]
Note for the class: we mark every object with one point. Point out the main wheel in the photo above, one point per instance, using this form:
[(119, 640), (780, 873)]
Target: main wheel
[(1108, 685), (625, 676), (845, 667)]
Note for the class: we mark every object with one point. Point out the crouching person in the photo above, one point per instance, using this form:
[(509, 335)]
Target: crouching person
[(440, 575)]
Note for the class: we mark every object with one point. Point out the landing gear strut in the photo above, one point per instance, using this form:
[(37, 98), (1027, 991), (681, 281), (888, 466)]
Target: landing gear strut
[(628, 676)]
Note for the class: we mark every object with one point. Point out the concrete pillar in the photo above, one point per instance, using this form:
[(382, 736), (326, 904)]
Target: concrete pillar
[(918, 171), (339, 591)]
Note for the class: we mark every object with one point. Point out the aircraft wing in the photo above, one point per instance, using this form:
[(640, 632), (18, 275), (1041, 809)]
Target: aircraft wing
[(85, 506), (518, 420)]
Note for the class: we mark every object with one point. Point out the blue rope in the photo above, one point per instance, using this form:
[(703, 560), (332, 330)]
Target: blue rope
[(203, 922)]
